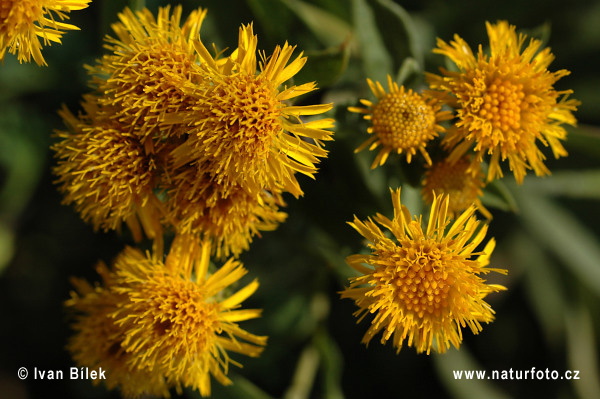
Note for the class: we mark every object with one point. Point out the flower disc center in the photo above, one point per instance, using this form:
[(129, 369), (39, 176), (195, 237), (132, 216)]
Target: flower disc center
[(182, 312), (403, 120), (249, 114), (421, 279), (502, 105)]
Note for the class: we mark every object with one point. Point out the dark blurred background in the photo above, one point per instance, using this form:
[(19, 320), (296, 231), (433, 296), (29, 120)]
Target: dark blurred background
[(547, 229)]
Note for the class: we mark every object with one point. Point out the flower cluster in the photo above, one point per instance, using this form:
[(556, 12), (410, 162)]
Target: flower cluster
[(174, 137), (424, 285), (173, 141), (502, 103)]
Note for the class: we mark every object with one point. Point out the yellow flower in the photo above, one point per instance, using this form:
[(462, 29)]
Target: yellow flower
[(96, 342), (105, 172), (243, 131), (401, 121), (422, 286), (228, 216), (150, 63), (505, 101), (179, 320), (452, 179), (24, 22), (155, 325)]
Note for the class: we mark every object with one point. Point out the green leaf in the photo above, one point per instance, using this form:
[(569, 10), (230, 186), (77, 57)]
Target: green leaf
[(333, 257), (584, 138), (242, 388), (273, 17), (412, 199), (328, 28), (497, 195), (108, 15), (7, 246), (541, 32), (324, 67), (555, 227), (416, 37), (18, 79), (410, 67), (571, 183), (582, 351), (137, 5), (377, 63), (23, 147), (374, 179), (460, 360), (292, 315), (544, 286)]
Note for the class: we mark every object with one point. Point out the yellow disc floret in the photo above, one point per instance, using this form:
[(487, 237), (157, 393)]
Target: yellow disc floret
[(151, 67), (242, 127), (403, 120), (455, 180), (240, 117)]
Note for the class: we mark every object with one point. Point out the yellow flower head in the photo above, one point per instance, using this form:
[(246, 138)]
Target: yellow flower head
[(452, 179), (179, 320), (243, 129), (150, 64), (156, 325), (505, 101), (24, 22), (96, 342), (401, 121), (104, 171), (422, 286), (228, 216)]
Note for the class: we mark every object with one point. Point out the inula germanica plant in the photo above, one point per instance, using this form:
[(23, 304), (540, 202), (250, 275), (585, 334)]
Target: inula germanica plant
[(175, 138), (189, 141)]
